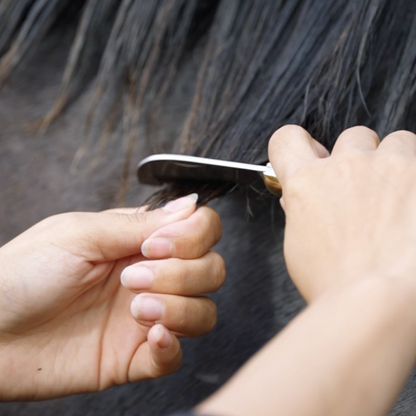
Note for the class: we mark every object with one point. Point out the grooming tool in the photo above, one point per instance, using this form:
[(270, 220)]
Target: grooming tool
[(164, 168)]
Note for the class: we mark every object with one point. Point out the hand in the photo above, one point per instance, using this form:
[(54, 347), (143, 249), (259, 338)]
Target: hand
[(349, 214), (350, 243), (65, 320)]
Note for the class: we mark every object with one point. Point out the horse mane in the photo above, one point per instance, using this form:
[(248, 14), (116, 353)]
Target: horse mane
[(260, 64)]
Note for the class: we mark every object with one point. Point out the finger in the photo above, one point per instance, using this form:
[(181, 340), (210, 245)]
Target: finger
[(176, 276), (356, 138), (187, 239), (112, 235), (186, 316), (159, 356), (292, 147), (403, 142)]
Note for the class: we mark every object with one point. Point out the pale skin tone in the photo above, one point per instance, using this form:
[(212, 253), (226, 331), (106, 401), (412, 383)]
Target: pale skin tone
[(68, 325), (350, 244)]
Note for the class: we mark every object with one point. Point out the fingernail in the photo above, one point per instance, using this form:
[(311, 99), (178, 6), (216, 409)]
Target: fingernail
[(147, 309), (137, 277), (157, 247), (181, 203), (164, 338)]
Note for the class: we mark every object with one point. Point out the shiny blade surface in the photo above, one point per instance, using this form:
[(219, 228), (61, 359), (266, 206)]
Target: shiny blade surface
[(164, 168)]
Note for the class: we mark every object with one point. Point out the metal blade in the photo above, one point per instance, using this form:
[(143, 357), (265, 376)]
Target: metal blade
[(164, 168)]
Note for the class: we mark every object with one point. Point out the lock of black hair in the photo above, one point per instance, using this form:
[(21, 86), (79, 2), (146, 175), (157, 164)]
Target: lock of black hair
[(323, 64)]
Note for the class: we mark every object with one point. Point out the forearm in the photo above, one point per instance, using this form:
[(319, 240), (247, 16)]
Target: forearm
[(345, 354)]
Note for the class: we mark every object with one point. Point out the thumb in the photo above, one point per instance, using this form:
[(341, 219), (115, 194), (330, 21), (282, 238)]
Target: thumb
[(114, 235), (292, 147)]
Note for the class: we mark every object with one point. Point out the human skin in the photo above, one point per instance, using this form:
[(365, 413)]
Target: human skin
[(350, 243), (67, 323)]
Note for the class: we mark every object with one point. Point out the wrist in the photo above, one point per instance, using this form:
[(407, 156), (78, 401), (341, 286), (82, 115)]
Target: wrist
[(347, 340), (399, 282)]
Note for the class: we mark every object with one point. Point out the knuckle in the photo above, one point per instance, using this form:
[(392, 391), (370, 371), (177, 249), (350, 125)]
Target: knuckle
[(211, 314), (220, 270), (358, 134), (209, 224), (215, 225), (403, 136), (198, 250), (198, 317), (358, 131)]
